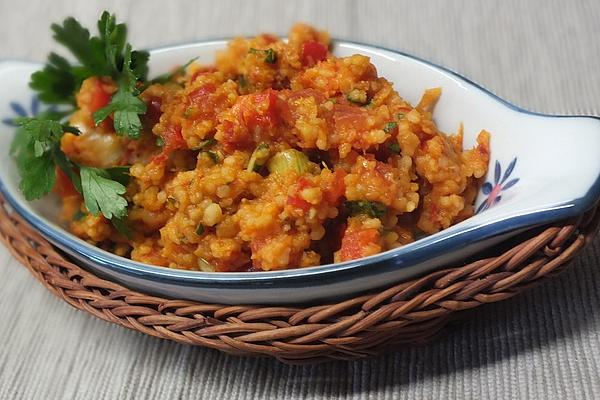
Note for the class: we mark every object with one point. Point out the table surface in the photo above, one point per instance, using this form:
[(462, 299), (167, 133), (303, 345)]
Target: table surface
[(544, 56)]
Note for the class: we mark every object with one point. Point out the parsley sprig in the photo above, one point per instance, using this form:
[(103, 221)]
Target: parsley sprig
[(125, 103), (36, 150), (108, 55), (36, 146)]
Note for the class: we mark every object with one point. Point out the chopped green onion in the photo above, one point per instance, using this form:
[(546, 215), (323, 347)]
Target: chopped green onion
[(188, 111), (373, 209), (200, 230), (400, 115), (258, 158), (390, 126), (213, 156), (290, 159), (205, 144), (160, 142), (205, 265)]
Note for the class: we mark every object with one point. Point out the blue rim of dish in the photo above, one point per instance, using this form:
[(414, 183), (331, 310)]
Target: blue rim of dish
[(421, 250)]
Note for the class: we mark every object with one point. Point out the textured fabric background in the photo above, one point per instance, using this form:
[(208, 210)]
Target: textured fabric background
[(544, 344)]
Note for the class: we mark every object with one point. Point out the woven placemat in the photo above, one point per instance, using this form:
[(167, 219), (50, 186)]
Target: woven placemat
[(411, 312)]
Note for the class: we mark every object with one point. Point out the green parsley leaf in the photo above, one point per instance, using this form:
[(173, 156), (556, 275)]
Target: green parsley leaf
[(139, 64), (55, 84), (390, 126), (270, 54), (120, 174), (88, 51), (41, 129), (125, 104), (112, 37), (36, 170), (373, 209), (36, 149), (101, 55), (122, 227), (19, 143), (68, 167), (102, 194)]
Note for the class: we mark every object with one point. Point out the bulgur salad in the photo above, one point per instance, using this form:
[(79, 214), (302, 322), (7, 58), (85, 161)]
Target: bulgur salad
[(278, 155)]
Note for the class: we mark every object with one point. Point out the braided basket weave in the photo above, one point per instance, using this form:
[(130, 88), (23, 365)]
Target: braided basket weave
[(408, 313)]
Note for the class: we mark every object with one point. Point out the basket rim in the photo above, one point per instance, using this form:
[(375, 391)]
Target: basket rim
[(410, 313)]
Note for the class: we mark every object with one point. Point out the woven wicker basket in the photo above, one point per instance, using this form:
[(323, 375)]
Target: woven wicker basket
[(408, 313)]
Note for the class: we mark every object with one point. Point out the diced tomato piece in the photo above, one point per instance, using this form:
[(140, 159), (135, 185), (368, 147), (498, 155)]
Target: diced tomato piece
[(260, 110), (354, 243), (267, 37), (205, 102), (434, 211), (63, 186), (199, 95), (173, 141), (289, 110), (298, 202), (337, 188), (99, 98), (308, 92), (303, 183), (369, 74), (312, 53), (347, 116), (235, 136), (255, 115)]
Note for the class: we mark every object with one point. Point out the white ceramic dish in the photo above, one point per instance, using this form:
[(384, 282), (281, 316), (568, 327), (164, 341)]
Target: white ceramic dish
[(543, 168)]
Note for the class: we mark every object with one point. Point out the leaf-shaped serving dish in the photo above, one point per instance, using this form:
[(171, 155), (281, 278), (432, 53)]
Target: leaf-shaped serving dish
[(542, 168)]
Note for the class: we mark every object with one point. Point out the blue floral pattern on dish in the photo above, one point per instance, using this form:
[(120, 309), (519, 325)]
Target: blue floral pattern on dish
[(494, 190), (21, 111)]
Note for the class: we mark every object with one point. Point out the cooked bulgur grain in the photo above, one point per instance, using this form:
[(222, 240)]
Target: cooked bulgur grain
[(279, 155)]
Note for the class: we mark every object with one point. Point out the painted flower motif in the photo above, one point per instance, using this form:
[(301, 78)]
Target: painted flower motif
[(494, 191), (21, 111)]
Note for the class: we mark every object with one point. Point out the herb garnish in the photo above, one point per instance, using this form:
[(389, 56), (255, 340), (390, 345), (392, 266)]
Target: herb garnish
[(373, 209), (36, 145), (270, 54)]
